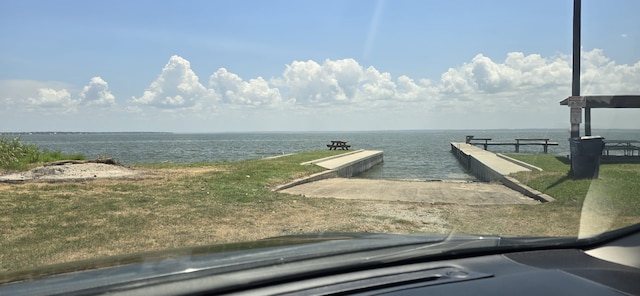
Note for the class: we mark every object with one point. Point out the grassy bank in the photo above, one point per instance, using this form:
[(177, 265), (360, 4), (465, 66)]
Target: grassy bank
[(172, 205), (611, 201), (582, 207), (178, 205), (617, 185), (15, 155)]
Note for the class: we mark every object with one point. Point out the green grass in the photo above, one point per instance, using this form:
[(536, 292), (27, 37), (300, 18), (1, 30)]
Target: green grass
[(197, 204), (15, 155), (616, 190), (177, 205)]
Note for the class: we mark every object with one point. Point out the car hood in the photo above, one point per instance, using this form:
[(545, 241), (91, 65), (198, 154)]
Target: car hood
[(352, 249)]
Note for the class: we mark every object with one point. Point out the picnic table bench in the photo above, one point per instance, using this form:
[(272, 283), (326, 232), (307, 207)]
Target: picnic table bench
[(485, 142), (338, 144), (626, 146), (534, 141), (472, 138)]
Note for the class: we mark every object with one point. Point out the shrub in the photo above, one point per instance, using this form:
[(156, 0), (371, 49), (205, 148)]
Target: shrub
[(15, 155)]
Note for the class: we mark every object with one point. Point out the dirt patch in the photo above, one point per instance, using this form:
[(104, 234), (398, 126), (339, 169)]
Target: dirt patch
[(71, 172)]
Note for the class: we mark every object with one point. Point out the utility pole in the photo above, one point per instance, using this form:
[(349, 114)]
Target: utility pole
[(576, 113)]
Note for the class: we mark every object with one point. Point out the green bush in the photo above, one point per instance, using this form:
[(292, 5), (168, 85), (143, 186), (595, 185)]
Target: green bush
[(15, 155)]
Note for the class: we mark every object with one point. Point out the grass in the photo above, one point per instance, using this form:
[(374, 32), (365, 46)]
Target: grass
[(177, 205), (198, 204), (15, 155), (617, 183), (614, 196)]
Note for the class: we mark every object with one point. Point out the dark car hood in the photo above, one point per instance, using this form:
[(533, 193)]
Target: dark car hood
[(353, 249)]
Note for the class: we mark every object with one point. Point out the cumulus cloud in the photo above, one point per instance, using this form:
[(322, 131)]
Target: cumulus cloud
[(177, 86), (311, 83), (531, 82), (345, 81), (48, 97), (482, 85), (601, 75), (17, 89), (232, 89), (524, 74), (97, 93), (517, 72)]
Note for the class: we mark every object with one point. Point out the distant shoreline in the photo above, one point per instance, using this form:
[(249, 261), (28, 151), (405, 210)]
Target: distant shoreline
[(79, 133), (596, 130)]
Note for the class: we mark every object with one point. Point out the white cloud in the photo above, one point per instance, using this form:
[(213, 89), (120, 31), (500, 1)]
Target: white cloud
[(17, 92), (530, 83), (231, 89), (601, 75), (97, 93), (518, 72), (482, 88), (345, 82), (52, 98), (177, 86), (307, 84)]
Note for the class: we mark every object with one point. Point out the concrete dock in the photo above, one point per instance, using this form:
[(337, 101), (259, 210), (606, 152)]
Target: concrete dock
[(343, 165), (494, 167), (351, 164), (484, 165)]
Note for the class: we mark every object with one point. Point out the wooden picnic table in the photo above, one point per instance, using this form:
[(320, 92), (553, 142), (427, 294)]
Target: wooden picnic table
[(534, 141), (338, 144), (626, 146), (472, 138), (485, 142)]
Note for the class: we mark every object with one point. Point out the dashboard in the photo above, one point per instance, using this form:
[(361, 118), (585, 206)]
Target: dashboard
[(541, 272)]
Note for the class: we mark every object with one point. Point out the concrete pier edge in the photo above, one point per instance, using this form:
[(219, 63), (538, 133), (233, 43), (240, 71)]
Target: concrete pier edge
[(485, 172), (343, 165), (521, 163), (330, 157), (315, 177), (526, 190)]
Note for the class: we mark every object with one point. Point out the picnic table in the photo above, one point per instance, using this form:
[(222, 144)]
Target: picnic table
[(486, 142), (472, 138), (532, 141), (338, 144), (626, 146)]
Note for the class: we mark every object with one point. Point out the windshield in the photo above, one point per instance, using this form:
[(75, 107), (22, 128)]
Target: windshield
[(135, 126)]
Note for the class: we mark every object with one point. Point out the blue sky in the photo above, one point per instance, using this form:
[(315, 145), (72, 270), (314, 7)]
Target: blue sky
[(209, 66)]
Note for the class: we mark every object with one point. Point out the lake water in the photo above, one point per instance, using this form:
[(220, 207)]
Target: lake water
[(419, 155)]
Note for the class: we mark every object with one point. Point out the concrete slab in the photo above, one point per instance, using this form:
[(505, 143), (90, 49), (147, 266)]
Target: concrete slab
[(473, 193), (489, 166), (346, 159), (500, 165)]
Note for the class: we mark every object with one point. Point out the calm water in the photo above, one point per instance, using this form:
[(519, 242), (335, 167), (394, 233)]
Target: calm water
[(422, 155)]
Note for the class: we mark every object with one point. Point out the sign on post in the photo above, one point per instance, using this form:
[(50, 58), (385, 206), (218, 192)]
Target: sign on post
[(577, 102), (576, 115)]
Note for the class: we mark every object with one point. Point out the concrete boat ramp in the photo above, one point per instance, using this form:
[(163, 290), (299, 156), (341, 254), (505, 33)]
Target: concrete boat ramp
[(335, 182)]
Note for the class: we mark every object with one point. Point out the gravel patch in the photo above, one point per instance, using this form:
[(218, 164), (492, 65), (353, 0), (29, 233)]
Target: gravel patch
[(70, 172)]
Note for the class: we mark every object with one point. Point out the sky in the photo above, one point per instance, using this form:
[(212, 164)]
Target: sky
[(234, 66)]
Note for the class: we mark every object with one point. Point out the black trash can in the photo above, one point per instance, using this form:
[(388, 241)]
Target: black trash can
[(585, 156)]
